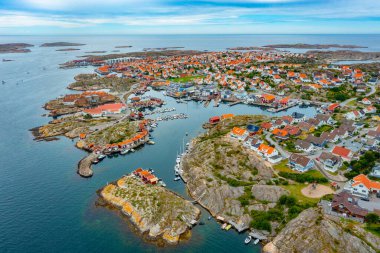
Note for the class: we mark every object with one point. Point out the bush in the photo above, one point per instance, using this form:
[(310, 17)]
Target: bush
[(302, 178), (372, 218), (287, 200), (261, 225)]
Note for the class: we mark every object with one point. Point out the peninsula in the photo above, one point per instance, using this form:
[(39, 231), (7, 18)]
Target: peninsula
[(159, 214)]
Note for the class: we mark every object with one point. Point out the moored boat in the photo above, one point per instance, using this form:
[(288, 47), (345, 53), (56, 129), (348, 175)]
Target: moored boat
[(248, 239), (101, 157), (124, 151), (224, 226), (256, 241), (229, 226)]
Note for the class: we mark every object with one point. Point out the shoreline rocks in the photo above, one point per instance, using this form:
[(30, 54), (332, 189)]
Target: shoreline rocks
[(85, 166)]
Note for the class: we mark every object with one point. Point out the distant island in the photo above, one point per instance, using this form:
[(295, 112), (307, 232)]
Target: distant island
[(62, 44), (95, 52), (312, 46), (15, 48), (67, 49), (250, 48), (123, 46)]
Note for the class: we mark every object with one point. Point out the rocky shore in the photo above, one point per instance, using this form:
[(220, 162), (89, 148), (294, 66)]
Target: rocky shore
[(159, 214), (313, 231), (15, 48), (85, 165)]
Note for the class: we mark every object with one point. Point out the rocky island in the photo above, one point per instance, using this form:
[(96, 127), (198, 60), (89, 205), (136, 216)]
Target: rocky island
[(15, 48), (159, 214), (62, 44)]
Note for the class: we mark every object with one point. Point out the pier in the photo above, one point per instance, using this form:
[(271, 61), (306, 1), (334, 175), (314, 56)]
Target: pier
[(235, 103)]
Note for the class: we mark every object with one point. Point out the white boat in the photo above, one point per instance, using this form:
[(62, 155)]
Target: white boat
[(101, 157), (256, 241), (248, 239), (132, 150), (162, 184), (124, 151), (177, 178), (178, 160), (150, 142)]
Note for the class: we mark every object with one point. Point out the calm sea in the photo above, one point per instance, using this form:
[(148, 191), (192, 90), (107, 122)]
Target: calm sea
[(44, 205)]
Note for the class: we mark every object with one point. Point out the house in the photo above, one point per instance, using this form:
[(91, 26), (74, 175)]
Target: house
[(304, 146), (342, 152), (267, 126), (330, 162), (366, 101), (214, 120), (281, 134), (300, 163), (287, 119), (105, 109), (345, 203), (330, 137), (239, 133), (325, 119), (267, 98), (275, 159), (306, 127), (253, 129), (293, 130), (298, 117), (362, 186), (317, 141), (375, 171), (267, 151), (332, 107)]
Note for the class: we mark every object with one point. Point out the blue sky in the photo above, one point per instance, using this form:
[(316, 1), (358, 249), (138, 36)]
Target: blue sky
[(189, 17)]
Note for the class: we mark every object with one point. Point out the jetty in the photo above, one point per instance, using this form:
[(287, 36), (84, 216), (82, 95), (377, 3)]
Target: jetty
[(84, 166)]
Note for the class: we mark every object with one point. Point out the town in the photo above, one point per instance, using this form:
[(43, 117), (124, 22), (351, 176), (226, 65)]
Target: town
[(328, 159)]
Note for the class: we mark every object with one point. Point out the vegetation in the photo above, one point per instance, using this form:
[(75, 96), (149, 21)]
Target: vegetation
[(321, 129), (364, 164), (302, 178)]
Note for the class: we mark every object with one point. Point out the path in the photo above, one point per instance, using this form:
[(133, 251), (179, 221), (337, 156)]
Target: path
[(373, 90), (283, 152)]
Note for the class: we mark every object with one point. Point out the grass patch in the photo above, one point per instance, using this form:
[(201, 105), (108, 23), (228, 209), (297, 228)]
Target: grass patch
[(295, 190), (185, 79)]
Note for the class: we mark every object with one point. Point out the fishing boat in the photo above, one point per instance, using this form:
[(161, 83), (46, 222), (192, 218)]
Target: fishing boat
[(101, 157), (124, 151), (229, 226), (256, 241), (224, 226), (248, 239)]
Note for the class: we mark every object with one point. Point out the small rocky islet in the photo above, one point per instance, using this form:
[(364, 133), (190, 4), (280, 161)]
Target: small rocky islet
[(159, 214)]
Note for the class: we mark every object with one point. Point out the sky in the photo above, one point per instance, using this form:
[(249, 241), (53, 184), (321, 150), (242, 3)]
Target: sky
[(189, 17)]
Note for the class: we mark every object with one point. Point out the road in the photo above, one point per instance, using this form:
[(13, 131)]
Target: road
[(373, 90), (283, 152)]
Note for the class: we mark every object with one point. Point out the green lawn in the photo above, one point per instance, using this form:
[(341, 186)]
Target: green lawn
[(295, 190), (321, 129), (184, 79)]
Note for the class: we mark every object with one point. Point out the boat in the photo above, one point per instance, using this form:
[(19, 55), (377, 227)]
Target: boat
[(224, 226), (151, 170), (124, 151), (95, 161), (209, 218), (177, 178), (162, 183), (229, 226), (150, 142), (256, 241), (101, 157), (248, 239), (132, 150)]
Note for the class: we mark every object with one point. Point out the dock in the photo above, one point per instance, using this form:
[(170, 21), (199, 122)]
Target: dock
[(235, 103)]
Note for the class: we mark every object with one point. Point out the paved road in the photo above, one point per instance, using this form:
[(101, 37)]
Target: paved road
[(373, 90), (283, 152)]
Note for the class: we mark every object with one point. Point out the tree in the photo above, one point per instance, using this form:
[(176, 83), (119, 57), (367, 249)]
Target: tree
[(87, 116), (372, 218)]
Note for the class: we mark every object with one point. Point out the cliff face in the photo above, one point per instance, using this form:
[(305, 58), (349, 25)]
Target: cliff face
[(313, 232)]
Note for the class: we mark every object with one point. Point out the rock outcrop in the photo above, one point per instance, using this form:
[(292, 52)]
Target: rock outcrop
[(313, 232), (270, 193), (158, 213)]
